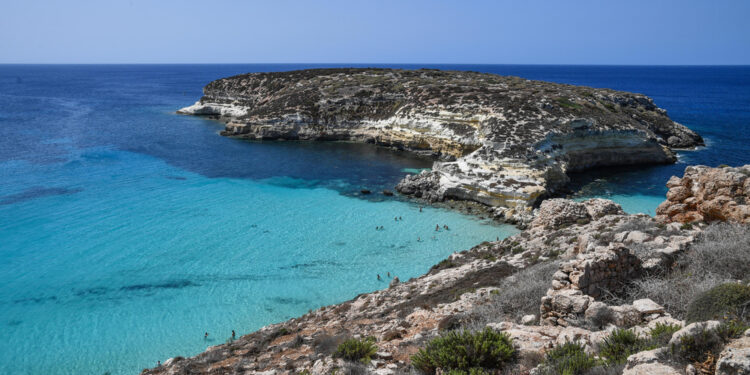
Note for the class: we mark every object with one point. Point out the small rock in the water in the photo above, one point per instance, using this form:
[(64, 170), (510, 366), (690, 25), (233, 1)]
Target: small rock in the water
[(387, 193), (365, 191)]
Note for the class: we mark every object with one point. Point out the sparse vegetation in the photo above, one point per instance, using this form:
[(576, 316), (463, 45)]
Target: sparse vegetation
[(569, 358), (662, 333), (357, 349), (620, 344), (465, 351), (721, 255), (722, 301), (517, 296), (696, 348)]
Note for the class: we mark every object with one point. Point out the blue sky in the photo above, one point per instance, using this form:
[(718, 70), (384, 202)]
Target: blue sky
[(376, 31)]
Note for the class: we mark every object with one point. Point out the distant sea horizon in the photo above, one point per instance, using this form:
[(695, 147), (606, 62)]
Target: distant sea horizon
[(127, 231)]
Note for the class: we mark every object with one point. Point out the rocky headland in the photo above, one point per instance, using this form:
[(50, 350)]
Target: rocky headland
[(505, 142), (585, 289)]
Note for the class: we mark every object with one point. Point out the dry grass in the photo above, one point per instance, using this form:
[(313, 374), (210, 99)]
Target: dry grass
[(721, 254), (519, 295)]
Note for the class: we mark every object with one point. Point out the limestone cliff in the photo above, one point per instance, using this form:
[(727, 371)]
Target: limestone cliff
[(500, 141)]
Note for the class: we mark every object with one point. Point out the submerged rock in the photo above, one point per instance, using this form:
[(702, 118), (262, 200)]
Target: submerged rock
[(502, 141)]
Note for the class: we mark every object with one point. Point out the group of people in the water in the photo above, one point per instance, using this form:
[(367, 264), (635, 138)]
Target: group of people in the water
[(389, 275)]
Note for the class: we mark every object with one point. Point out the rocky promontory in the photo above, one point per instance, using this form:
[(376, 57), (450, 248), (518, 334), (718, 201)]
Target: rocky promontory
[(502, 141)]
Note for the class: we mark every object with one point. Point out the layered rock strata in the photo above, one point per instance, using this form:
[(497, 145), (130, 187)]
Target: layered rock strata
[(501, 141)]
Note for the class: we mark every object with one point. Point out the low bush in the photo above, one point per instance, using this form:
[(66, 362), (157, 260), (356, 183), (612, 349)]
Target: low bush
[(620, 344), (569, 358), (465, 351), (662, 333), (725, 300), (517, 296), (357, 350), (471, 371), (721, 250), (697, 348), (732, 329)]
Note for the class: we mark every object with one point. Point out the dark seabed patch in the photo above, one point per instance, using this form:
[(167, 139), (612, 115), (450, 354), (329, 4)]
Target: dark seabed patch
[(13, 323), (317, 263), (36, 192), (177, 284), (34, 300), (290, 301), (177, 178)]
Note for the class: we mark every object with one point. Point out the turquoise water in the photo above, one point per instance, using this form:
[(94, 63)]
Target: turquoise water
[(133, 259), (127, 231)]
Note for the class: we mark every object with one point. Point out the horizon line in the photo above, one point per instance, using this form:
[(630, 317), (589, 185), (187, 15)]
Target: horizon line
[(372, 63)]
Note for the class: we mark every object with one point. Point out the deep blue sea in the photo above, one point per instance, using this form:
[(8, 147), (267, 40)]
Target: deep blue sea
[(127, 231)]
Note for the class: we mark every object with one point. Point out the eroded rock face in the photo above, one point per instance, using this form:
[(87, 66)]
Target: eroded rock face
[(502, 141), (708, 194)]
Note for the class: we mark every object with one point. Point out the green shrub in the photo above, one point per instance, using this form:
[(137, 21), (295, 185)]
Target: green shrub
[(568, 359), (662, 333), (725, 300), (471, 371), (696, 348), (686, 226), (357, 350), (731, 329), (620, 344), (465, 351)]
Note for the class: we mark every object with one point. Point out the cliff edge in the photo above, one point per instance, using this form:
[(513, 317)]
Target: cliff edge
[(502, 141)]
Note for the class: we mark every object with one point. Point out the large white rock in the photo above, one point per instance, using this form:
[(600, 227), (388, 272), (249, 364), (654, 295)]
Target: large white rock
[(651, 369), (648, 356), (735, 358), (646, 306)]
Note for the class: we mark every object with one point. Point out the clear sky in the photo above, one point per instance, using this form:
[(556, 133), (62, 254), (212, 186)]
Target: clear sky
[(376, 31)]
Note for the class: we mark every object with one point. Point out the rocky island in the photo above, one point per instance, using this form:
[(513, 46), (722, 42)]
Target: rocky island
[(505, 142)]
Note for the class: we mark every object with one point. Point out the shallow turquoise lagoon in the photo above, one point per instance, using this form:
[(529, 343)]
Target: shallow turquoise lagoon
[(122, 260)]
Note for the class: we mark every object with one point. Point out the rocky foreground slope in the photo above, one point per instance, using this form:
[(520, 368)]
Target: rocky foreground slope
[(570, 277), (502, 141)]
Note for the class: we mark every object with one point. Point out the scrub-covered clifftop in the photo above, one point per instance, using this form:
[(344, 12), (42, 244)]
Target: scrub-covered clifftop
[(502, 141)]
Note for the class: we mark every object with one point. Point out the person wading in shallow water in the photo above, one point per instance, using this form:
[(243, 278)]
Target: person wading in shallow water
[(233, 335), (205, 337)]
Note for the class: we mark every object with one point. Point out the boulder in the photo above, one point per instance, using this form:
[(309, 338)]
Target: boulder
[(529, 319), (647, 356), (646, 306), (735, 358), (651, 369), (696, 329), (554, 213), (708, 194)]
